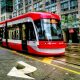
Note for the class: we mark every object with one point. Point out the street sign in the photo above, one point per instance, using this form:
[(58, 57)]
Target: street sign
[(21, 70)]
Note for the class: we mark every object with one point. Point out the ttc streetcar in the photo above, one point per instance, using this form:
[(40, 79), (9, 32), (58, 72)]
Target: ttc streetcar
[(34, 32)]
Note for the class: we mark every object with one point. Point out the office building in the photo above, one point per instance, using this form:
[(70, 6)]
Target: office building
[(6, 8)]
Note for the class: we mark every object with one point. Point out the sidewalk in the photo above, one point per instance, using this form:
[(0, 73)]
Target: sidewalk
[(73, 49)]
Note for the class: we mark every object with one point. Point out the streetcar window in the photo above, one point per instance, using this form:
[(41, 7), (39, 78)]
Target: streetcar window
[(1, 33), (23, 32), (4, 33), (31, 31), (52, 29), (39, 29), (48, 29), (10, 34), (17, 34), (13, 32)]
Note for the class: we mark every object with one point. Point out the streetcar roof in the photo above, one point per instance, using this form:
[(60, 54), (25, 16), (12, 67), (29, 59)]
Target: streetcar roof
[(37, 15), (2, 22), (34, 16)]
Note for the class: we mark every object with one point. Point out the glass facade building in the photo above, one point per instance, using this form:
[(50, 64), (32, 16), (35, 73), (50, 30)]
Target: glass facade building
[(70, 22), (23, 6), (6, 8)]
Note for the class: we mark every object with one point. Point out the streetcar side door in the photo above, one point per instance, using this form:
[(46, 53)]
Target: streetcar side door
[(24, 37), (31, 32), (28, 35), (32, 37)]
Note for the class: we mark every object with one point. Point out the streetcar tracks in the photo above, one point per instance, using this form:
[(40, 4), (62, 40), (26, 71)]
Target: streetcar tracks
[(68, 63)]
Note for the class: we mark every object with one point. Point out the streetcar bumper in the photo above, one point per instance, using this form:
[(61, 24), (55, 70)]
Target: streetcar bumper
[(36, 50)]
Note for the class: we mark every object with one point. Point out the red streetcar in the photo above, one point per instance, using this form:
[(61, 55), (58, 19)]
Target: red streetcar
[(34, 32)]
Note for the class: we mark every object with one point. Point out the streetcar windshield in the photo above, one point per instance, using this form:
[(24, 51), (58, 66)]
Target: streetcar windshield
[(49, 29)]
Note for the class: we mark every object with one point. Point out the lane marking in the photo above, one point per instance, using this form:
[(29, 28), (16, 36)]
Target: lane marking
[(63, 68), (21, 70), (47, 60), (68, 64), (67, 69)]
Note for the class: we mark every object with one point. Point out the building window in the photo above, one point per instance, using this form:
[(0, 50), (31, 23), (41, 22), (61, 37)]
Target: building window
[(9, 8), (73, 4), (47, 2), (20, 12), (53, 1), (20, 5), (6, 6), (51, 9), (64, 6), (20, 1), (38, 6), (15, 2), (15, 7), (69, 19), (28, 9), (10, 16), (26, 2), (3, 18), (29, 1)]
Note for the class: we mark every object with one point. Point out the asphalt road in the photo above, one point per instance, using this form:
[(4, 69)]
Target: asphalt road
[(65, 67)]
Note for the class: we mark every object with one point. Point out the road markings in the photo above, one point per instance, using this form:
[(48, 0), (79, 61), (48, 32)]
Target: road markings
[(63, 68), (48, 60), (21, 70), (67, 64), (43, 61)]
